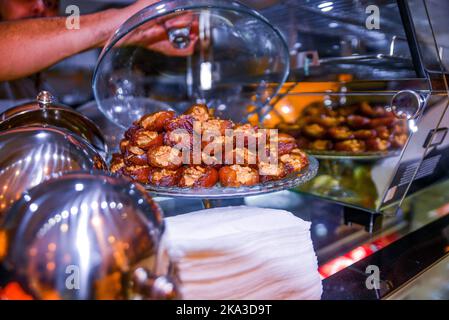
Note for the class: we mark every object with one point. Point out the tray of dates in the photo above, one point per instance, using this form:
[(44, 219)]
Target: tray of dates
[(197, 155), (357, 132)]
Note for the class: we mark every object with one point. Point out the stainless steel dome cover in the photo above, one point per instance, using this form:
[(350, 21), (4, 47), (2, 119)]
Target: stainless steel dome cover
[(84, 236), (45, 111), (30, 155), (219, 52)]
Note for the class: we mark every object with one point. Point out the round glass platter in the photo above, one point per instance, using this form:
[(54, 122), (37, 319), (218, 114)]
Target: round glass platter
[(182, 52), (366, 156), (292, 181)]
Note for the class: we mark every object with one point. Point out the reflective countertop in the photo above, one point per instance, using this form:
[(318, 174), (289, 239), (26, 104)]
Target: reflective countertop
[(404, 244)]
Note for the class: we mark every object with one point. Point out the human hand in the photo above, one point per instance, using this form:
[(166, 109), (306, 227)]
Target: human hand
[(155, 35)]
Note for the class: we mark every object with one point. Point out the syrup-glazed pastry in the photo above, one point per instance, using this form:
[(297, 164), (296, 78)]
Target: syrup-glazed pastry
[(183, 122), (329, 122), (145, 139), (124, 145), (200, 112), (135, 156), (242, 156), (295, 161), (372, 112), (383, 133), (341, 133), (351, 146), (321, 145), (179, 138), (377, 145), (165, 157), (272, 172), (156, 121), (286, 143), (216, 125), (399, 141), (117, 164), (365, 134), (358, 122), (139, 173), (314, 131), (198, 177), (238, 176), (164, 178)]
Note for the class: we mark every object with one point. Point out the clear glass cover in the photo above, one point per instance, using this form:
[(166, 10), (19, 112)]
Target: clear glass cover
[(176, 53)]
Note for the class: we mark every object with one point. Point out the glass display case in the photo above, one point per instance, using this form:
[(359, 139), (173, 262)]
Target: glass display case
[(361, 85), (217, 52), (367, 94)]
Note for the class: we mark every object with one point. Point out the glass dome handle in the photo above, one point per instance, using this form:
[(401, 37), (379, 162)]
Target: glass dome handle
[(45, 98), (179, 37)]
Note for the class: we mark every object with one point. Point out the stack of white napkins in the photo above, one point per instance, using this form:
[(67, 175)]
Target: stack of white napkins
[(244, 253)]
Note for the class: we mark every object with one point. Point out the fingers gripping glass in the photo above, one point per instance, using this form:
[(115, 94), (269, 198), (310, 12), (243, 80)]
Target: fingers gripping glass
[(179, 35)]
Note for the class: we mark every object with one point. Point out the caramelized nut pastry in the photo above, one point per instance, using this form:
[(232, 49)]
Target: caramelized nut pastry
[(321, 145), (329, 122), (124, 145), (237, 176), (358, 122), (272, 172), (372, 112), (314, 131), (383, 133), (295, 161), (117, 164), (351, 146), (131, 131), (377, 145), (200, 112), (164, 177), (181, 140), (286, 143), (399, 141), (242, 156), (198, 177), (380, 122), (184, 122), (341, 133), (217, 125), (156, 121), (145, 139), (165, 157), (245, 134), (139, 173), (135, 156), (365, 134)]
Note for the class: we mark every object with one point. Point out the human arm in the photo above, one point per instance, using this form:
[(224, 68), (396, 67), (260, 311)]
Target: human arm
[(31, 45)]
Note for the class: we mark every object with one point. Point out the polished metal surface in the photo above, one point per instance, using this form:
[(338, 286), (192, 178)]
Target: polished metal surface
[(86, 236), (407, 104), (45, 112), (31, 155)]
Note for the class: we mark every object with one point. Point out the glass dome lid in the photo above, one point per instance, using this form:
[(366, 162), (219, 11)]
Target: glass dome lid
[(176, 53)]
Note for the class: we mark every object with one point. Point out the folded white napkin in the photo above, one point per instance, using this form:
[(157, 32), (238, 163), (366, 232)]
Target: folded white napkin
[(243, 253)]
